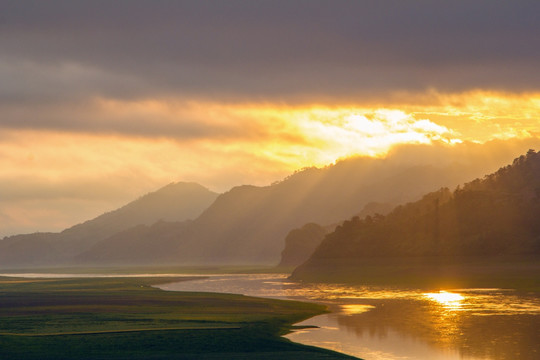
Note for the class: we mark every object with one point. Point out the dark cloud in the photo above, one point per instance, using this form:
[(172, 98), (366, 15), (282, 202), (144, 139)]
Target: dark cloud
[(264, 49), (182, 123)]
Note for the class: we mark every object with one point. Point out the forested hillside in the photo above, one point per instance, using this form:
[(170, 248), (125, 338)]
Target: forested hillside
[(496, 215), (247, 224), (301, 242)]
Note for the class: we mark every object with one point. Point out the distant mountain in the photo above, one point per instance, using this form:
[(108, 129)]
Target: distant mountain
[(247, 224), (300, 243), (174, 202), (496, 216)]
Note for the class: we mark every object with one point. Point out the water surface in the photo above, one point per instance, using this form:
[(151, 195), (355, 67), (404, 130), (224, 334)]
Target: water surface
[(378, 323)]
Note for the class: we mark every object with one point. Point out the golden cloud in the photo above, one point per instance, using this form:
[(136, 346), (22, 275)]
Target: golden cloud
[(104, 144)]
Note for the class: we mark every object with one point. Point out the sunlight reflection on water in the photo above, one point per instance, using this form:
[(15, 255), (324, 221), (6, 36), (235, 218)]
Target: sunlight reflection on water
[(451, 301), (378, 323), (353, 309)]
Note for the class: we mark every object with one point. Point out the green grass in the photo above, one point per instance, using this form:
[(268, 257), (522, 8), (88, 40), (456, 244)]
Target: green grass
[(126, 318)]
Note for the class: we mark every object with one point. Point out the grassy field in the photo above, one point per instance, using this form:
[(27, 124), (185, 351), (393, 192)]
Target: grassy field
[(126, 318)]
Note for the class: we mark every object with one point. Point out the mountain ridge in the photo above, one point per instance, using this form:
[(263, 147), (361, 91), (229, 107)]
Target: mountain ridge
[(248, 224), (490, 217), (175, 201)]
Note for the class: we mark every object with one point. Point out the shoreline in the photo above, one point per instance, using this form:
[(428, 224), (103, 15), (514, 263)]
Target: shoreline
[(224, 324)]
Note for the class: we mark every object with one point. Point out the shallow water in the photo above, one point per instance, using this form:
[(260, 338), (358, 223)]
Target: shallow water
[(377, 323)]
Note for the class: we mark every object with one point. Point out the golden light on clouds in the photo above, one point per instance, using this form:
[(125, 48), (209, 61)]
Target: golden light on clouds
[(482, 115), (165, 134), (301, 137), (346, 132), (93, 151), (173, 139)]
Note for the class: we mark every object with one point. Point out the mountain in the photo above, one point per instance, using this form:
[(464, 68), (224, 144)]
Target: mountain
[(247, 224), (300, 243), (174, 202), (495, 217)]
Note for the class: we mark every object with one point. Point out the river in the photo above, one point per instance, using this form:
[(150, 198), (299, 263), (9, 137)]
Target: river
[(377, 323)]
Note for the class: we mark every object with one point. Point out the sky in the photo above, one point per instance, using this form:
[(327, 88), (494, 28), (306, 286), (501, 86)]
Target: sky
[(103, 101)]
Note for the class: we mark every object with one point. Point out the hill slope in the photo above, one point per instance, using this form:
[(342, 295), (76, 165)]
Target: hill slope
[(490, 217), (247, 224), (174, 202), (300, 243)]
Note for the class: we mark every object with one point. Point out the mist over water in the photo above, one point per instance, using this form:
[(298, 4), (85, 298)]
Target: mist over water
[(377, 323)]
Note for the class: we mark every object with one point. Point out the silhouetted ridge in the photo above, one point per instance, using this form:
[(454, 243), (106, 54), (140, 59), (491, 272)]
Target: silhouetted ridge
[(496, 215), (300, 243), (174, 202), (248, 224)]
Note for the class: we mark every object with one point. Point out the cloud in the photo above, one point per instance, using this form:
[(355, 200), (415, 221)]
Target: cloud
[(478, 115), (265, 49), (488, 156), (161, 135), (152, 118), (97, 93)]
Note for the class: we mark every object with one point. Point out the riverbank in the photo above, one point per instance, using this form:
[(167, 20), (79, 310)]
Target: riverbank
[(521, 273), (118, 318)]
